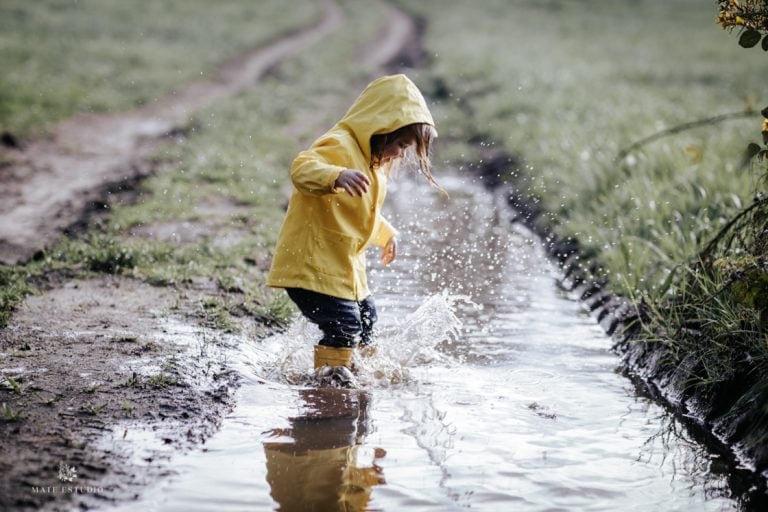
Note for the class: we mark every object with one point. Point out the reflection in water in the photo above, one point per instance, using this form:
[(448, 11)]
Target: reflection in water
[(681, 445), (671, 447), (313, 464)]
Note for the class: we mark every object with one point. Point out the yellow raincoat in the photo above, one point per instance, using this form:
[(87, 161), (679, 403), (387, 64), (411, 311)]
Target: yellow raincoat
[(321, 246)]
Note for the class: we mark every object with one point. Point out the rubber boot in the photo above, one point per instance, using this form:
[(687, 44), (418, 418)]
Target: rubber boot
[(332, 356)]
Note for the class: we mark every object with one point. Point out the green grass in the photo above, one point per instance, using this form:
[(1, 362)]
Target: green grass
[(13, 289), (92, 409), (161, 380), (64, 57), (568, 85), (128, 408), (13, 384), (8, 414), (714, 339)]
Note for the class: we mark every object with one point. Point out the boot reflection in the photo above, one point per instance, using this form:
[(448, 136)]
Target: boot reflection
[(317, 468)]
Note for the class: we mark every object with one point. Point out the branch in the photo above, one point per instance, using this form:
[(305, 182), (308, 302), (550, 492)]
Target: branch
[(683, 127), (710, 247)]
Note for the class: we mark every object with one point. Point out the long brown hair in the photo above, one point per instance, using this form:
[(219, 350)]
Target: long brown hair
[(422, 133)]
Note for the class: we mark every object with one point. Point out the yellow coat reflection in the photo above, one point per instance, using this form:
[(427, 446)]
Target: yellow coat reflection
[(318, 468)]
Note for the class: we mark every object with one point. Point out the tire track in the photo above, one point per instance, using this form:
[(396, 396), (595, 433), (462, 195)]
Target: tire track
[(55, 180)]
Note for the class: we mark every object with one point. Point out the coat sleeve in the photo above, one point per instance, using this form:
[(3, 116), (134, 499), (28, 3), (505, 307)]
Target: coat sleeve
[(313, 172), (383, 233)]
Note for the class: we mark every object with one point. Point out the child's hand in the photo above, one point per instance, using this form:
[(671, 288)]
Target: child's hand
[(353, 181), (389, 252)]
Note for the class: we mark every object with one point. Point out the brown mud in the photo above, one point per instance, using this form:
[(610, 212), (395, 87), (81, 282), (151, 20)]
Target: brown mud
[(103, 380), (102, 358)]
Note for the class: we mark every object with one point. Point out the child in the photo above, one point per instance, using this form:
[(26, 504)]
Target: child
[(320, 253)]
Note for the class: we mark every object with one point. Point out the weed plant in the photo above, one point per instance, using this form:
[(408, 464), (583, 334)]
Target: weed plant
[(13, 384), (8, 414)]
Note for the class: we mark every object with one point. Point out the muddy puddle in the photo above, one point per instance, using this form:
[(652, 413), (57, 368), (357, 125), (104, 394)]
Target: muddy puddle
[(491, 390)]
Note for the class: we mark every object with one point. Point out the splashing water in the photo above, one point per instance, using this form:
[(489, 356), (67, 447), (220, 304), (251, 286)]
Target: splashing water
[(413, 343), (287, 358)]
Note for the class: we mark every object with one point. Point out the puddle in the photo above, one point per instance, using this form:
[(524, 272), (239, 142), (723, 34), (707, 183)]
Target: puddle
[(490, 389)]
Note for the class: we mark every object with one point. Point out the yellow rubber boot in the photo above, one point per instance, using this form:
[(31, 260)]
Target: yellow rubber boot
[(332, 356)]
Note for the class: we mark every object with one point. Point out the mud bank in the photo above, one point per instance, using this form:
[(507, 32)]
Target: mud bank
[(708, 412), (91, 366)]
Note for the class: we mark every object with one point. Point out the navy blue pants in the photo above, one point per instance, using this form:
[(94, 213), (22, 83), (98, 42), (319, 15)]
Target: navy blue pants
[(345, 323)]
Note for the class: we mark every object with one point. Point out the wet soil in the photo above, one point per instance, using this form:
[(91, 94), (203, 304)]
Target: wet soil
[(92, 359), (103, 379)]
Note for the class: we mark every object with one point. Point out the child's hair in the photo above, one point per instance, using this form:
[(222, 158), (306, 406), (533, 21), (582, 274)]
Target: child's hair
[(422, 133)]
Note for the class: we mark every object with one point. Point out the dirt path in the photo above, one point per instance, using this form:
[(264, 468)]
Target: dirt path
[(55, 180), (110, 377)]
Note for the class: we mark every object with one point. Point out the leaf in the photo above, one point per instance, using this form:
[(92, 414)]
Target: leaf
[(765, 43), (695, 154), (668, 281), (750, 38), (625, 252)]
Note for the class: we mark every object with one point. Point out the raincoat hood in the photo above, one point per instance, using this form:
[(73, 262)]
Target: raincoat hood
[(387, 104)]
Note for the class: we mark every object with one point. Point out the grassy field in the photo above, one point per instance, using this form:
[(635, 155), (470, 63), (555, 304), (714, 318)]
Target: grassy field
[(568, 85), (229, 175), (64, 57)]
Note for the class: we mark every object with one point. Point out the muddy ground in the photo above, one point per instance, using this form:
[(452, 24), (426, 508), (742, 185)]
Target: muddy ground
[(91, 364), (104, 379)]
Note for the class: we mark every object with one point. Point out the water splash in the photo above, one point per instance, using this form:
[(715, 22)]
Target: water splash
[(283, 358), (287, 358), (413, 343)]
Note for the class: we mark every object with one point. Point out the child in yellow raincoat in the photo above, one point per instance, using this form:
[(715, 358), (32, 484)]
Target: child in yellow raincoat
[(334, 213)]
